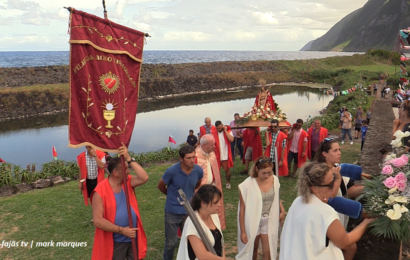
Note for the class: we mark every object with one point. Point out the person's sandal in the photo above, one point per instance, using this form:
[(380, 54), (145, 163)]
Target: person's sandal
[(228, 186)]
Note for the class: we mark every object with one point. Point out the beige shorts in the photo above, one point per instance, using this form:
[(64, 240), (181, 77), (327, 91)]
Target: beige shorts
[(248, 154), (263, 226)]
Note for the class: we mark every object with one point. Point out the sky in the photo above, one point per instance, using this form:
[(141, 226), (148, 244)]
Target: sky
[(257, 25)]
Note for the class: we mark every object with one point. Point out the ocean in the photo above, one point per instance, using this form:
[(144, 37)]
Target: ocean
[(51, 58)]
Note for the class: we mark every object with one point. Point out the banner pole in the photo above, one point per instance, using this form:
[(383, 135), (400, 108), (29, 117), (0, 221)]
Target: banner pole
[(131, 225)]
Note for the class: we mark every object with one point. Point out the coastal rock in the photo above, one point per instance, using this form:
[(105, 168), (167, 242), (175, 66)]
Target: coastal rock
[(23, 187), (6, 191), (41, 184), (56, 180)]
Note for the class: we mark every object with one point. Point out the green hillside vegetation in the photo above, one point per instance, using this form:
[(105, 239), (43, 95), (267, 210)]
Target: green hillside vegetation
[(374, 26)]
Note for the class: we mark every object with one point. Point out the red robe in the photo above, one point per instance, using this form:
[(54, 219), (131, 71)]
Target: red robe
[(283, 171), (202, 130), (201, 160), (83, 169), (217, 151), (322, 135), (251, 139), (103, 241), (269, 102), (301, 160)]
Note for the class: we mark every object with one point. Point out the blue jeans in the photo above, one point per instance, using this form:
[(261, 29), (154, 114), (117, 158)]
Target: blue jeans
[(348, 132), (237, 141), (172, 222)]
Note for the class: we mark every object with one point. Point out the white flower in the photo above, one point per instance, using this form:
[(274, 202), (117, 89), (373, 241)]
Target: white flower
[(390, 200), (399, 134), (396, 143), (390, 156), (268, 109), (259, 110), (404, 209), (400, 199), (261, 107), (268, 116), (391, 191), (395, 213)]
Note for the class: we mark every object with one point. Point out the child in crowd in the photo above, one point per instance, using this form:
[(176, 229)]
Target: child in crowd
[(357, 126), (364, 131)]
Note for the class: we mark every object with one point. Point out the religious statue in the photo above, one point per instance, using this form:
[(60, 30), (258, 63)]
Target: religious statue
[(264, 99)]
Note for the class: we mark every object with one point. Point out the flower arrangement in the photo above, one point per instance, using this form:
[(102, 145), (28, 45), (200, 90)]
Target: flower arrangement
[(264, 114), (387, 196)]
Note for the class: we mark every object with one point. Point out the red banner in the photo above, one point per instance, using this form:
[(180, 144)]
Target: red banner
[(105, 65)]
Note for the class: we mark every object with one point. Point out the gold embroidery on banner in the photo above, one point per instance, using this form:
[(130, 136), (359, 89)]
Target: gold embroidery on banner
[(109, 82), (108, 114), (108, 37)]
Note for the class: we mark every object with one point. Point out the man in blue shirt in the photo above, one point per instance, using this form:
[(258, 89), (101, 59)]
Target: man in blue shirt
[(185, 175)]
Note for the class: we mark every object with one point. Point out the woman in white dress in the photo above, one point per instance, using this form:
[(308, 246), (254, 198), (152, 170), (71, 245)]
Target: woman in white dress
[(205, 203), (312, 229), (259, 212)]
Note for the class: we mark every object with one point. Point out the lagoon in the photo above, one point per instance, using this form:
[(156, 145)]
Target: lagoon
[(30, 140)]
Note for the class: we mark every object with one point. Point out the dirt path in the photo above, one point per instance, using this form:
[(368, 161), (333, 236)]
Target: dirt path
[(378, 136)]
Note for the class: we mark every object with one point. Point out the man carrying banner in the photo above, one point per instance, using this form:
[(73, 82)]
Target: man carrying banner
[(112, 239), (91, 164), (185, 175), (223, 139), (206, 159)]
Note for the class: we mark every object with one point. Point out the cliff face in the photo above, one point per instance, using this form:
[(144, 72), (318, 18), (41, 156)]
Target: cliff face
[(374, 26)]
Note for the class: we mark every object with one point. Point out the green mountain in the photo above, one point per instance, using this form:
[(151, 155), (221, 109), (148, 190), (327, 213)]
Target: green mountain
[(374, 26)]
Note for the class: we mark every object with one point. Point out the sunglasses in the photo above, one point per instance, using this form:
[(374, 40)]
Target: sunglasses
[(327, 140), (265, 160), (330, 185), (274, 126)]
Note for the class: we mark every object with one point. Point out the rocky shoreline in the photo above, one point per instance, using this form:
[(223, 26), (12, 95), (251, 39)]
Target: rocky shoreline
[(48, 91)]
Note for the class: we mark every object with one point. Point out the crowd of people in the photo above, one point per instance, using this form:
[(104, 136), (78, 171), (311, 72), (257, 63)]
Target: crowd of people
[(315, 223)]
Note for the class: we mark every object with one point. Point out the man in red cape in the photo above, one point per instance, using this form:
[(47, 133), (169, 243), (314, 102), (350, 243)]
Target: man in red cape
[(223, 138), (252, 143), (297, 146), (316, 134), (279, 141), (112, 233), (91, 164), (207, 128)]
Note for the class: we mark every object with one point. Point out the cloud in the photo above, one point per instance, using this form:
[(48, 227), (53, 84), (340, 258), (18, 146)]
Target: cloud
[(187, 24), (143, 27), (186, 36), (35, 17), (22, 5)]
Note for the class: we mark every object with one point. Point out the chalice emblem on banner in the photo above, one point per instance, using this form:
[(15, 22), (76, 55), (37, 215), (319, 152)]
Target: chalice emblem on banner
[(109, 112)]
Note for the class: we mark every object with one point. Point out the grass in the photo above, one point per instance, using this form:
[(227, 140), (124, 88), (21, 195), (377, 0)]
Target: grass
[(59, 87), (59, 214)]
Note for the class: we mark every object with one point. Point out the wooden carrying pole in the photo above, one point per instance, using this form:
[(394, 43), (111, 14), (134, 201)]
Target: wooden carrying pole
[(134, 241)]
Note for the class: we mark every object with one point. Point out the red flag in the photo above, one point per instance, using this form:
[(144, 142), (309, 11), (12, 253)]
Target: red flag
[(105, 64), (171, 140), (54, 153)]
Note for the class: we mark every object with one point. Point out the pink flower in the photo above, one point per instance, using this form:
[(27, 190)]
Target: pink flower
[(390, 182), (398, 162), (387, 169), (405, 158), (401, 186), (401, 178)]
